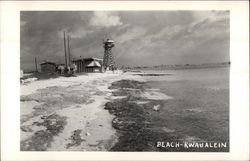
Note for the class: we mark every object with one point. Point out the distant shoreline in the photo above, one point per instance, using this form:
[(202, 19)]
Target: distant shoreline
[(181, 67)]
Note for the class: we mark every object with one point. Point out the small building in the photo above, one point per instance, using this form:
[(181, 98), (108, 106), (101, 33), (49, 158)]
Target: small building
[(48, 67), (89, 65)]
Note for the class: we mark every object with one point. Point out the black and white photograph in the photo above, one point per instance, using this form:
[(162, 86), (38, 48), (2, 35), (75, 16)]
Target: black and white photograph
[(130, 81), (124, 80)]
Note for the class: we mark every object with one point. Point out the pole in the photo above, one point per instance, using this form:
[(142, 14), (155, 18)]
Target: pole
[(69, 51), (36, 65), (65, 49)]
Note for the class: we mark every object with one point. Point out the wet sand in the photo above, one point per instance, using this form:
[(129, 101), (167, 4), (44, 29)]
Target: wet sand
[(67, 114)]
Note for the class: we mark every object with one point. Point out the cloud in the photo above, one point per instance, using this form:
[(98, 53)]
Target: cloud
[(135, 32), (79, 32), (22, 23), (105, 19), (142, 38), (211, 15)]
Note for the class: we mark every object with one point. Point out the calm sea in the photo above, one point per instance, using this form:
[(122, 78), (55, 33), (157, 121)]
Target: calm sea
[(199, 109), (218, 77)]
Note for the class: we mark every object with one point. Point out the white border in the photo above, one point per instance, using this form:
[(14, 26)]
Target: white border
[(10, 89)]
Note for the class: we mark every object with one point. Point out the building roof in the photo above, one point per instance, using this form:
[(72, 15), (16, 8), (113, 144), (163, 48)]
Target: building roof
[(48, 63), (94, 64), (77, 60), (110, 41), (91, 58)]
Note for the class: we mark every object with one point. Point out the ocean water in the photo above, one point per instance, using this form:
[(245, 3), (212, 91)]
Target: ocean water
[(217, 76), (199, 108)]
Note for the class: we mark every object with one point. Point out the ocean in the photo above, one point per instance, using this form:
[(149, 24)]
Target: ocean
[(199, 108)]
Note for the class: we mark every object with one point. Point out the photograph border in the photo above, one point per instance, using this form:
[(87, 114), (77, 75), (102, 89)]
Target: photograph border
[(10, 87)]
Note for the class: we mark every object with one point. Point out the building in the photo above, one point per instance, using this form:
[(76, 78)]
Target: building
[(88, 65), (48, 67)]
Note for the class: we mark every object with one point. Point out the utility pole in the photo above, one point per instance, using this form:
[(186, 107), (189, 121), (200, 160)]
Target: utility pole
[(69, 50), (36, 65), (65, 49)]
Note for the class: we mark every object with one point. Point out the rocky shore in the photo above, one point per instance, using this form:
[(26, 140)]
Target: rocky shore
[(141, 124)]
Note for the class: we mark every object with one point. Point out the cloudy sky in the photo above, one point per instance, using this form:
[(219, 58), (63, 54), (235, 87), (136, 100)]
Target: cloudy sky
[(141, 37)]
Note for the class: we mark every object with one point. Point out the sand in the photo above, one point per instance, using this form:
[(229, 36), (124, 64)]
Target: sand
[(153, 95), (67, 113), (32, 87)]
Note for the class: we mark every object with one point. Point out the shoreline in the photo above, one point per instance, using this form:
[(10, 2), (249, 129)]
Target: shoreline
[(68, 114), (132, 114), (142, 126)]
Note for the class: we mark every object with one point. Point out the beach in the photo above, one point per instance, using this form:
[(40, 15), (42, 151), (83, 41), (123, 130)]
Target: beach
[(127, 111), (67, 113)]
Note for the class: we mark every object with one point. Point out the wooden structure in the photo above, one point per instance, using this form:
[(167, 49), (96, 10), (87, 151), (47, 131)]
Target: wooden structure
[(48, 67), (108, 58), (88, 65)]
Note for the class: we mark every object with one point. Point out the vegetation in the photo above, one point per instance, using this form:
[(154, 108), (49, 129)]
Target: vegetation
[(140, 127)]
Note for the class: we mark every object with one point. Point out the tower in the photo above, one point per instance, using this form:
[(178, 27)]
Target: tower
[(108, 59)]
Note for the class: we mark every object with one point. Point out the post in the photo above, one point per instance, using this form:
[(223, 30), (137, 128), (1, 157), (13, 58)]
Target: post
[(69, 50), (36, 65), (65, 49)]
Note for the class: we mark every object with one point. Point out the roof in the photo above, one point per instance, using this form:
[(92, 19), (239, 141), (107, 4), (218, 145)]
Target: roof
[(110, 41), (48, 63), (77, 60), (91, 58), (94, 64)]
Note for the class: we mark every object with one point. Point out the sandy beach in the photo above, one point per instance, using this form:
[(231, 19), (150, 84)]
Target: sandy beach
[(68, 113)]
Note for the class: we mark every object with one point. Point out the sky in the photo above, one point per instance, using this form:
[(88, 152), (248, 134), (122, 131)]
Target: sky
[(142, 38)]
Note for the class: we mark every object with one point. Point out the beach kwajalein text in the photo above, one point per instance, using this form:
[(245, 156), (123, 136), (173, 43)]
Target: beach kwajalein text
[(194, 144)]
